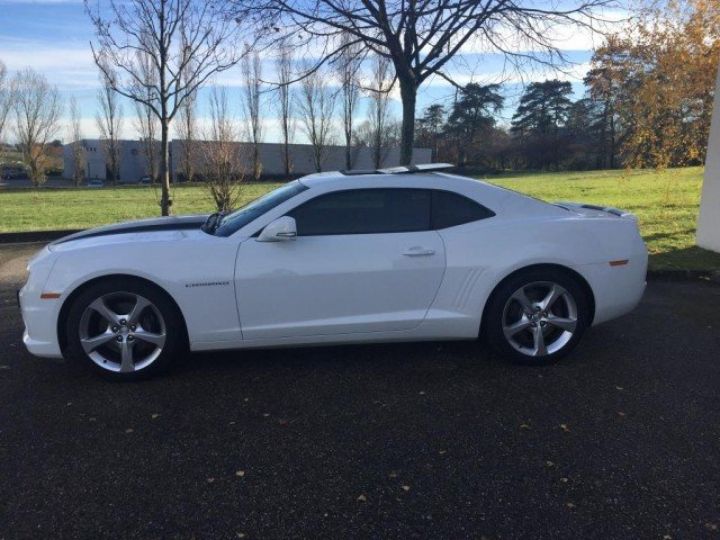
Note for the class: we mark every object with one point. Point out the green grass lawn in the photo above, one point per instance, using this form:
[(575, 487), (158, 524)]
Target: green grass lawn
[(665, 202), (56, 209)]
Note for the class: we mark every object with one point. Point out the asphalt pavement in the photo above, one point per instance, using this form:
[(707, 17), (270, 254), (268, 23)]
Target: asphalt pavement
[(619, 440)]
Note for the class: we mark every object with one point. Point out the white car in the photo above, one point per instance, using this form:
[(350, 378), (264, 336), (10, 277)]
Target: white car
[(404, 254)]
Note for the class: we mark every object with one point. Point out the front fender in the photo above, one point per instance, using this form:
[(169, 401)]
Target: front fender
[(198, 275)]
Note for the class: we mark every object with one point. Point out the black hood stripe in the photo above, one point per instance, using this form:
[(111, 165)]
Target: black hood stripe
[(173, 224)]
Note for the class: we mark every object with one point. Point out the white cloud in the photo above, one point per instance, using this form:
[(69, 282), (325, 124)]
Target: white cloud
[(572, 73), (39, 2), (69, 66)]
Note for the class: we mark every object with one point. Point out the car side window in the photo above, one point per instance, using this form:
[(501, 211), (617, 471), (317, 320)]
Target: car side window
[(364, 211), (450, 209)]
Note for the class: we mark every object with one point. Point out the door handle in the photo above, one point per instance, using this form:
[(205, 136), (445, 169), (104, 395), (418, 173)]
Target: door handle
[(418, 251)]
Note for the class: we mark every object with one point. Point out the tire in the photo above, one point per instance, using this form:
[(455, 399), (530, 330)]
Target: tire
[(537, 316), (123, 329)]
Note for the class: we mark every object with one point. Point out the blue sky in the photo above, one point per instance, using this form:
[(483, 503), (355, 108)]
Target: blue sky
[(52, 37)]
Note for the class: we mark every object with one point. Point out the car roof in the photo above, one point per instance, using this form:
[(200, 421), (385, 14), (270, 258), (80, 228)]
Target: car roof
[(494, 197), (383, 178)]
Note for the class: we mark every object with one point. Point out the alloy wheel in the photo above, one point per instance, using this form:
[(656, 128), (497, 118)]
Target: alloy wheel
[(122, 332), (539, 318)]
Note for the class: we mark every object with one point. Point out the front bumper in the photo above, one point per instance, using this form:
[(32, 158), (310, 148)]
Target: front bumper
[(40, 318), (43, 349), (39, 315)]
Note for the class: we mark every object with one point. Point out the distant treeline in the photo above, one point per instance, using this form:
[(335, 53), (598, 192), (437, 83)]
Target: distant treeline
[(648, 103)]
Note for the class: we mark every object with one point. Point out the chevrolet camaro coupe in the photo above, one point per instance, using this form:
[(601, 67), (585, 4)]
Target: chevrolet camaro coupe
[(404, 254)]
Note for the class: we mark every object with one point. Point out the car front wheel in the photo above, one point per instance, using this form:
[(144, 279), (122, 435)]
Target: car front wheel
[(123, 329), (538, 316)]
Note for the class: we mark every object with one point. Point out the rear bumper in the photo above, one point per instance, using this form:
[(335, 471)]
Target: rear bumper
[(618, 289)]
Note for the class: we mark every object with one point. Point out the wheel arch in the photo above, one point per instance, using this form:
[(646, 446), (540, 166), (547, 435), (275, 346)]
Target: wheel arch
[(574, 274), (62, 315)]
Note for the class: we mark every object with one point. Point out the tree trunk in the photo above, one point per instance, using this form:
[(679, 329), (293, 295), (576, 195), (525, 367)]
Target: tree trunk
[(612, 140), (165, 200), (286, 156), (408, 92)]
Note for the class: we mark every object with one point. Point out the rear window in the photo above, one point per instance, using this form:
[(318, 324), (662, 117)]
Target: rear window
[(450, 209)]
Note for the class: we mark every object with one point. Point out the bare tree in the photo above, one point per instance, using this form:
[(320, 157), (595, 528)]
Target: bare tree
[(37, 109), (284, 66), (187, 42), (5, 99), (147, 126), (109, 123), (187, 128), (77, 147), (146, 121), (316, 104), (221, 154), (378, 113), (420, 37), (348, 69), (252, 74)]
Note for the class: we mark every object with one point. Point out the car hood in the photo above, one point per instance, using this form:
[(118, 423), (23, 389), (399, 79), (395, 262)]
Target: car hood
[(163, 224)]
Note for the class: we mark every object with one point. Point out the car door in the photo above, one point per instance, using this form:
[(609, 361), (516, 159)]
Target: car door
[(364, 260)]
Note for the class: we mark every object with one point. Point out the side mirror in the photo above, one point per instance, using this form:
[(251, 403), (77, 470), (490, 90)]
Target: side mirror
[(281, 229)]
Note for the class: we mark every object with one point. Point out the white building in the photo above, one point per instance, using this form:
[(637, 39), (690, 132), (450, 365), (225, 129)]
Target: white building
[(708, 228), (133, 164)]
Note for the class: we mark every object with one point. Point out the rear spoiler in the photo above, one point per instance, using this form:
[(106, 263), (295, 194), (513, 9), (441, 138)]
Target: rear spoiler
[(607, 209)]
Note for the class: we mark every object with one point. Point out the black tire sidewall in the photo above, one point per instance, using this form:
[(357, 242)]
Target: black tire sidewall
[(175, 344), (496, 306)]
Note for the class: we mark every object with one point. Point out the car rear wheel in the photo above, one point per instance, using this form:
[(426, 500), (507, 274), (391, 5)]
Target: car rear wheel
[(538, 316), (123, 330)]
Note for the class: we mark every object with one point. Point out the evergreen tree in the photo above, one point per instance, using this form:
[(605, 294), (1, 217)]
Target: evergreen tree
[(472, 115), (540, 119)]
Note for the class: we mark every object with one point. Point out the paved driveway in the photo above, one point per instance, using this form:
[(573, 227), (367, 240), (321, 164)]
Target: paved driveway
[(425, 440)]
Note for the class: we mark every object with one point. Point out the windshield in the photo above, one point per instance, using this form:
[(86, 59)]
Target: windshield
[(241, 217)]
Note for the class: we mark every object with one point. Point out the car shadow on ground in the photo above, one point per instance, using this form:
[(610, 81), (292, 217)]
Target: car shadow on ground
[(441, 356)]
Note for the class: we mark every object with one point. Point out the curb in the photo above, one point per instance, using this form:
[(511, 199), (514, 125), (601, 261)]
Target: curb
[(34, 236), (712, 276), (652, 275)]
